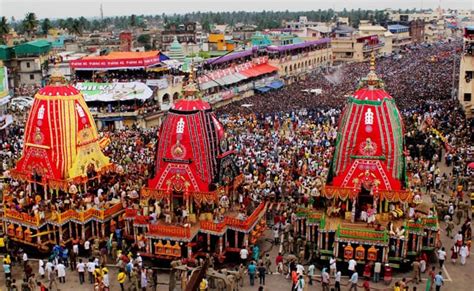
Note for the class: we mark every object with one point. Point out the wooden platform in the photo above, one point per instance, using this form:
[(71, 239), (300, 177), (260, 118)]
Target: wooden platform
[(332, 223)]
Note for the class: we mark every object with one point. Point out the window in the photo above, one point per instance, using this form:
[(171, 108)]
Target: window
[(32, 77), (467, 97), (28, 64), (468, 76)]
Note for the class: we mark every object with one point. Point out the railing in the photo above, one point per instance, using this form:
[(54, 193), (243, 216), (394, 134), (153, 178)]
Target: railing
[(362, 234), (83, 216), (426, 222), (211, 226), (169, 231), (245, 224), (23, 217), (131, 213)]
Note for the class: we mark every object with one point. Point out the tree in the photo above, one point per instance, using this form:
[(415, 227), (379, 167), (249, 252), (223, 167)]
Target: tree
[(46, 25), (30, 23), (85, 24), (4, 26), (145, 40), (76, 27), (133, 20)]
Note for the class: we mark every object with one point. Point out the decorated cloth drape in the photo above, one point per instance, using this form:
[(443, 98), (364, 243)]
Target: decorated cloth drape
[(369, 150), (61, 139), (192, 156)]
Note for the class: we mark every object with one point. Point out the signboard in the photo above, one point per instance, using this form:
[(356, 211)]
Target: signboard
[(109, 92), (3, 83), (114, 63), (160, 83)]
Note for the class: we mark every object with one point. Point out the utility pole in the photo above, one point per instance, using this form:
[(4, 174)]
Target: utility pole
[(101, 12)]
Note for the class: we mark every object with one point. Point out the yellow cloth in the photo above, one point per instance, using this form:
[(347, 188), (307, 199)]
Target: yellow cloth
[(121, 277), (203, 285), (2, 242)]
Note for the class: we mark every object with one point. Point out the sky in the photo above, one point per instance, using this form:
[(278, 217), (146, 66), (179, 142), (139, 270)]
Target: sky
[(91, 8)]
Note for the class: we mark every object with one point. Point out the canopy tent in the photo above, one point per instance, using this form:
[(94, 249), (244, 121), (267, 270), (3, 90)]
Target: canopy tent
[(289, 47), (263, 89), (259, 70), (276, 84), (109, 92), (119, 61), (231, 56), (234, 75)]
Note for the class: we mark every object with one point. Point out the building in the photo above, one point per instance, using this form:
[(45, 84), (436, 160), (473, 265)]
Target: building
[(188, 35), (466, 74), (220, 42), (301, 23), (385, 36), (176, 51), (294, 61), (348, 45), (28, 63), (401, 36), (126, 40), (417, 30)]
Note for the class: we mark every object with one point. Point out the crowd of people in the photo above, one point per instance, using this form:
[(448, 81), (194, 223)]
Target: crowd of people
[(284, 142)]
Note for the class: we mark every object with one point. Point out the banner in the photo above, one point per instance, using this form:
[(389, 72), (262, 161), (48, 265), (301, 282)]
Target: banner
[(108, 92), (160, 83), (3, 83)]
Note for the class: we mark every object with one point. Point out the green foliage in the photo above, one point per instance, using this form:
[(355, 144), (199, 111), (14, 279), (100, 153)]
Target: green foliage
[(262, 19), (46, 25), (4, 26), (144, 39), (30, 23)]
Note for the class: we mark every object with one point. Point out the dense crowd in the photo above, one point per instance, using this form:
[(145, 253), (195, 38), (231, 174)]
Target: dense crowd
[(284, 142)]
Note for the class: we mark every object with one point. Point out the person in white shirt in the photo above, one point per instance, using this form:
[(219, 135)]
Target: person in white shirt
[(75, 249), (41, 270), (81, 268), (25, 258), (299, 269), (139, 260), (458, 239), (337, 279), (332, 266), (87, 246), (441, 257), (61, 272), (352, 265), (325, 280), (90, 269), (463, 253), (377, 270), (49, 269), (105, 280), (311, 270), (244, 253)]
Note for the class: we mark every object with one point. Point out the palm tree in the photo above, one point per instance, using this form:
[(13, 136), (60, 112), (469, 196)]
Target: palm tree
[(46, 25), (30, 23), (4, 26), (76, 27), (133, 20)]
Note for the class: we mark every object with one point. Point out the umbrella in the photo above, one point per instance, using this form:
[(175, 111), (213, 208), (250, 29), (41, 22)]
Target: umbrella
[(471, 165)]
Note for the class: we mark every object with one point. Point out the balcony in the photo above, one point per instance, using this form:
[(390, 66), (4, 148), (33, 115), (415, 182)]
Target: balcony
[(63, 217)]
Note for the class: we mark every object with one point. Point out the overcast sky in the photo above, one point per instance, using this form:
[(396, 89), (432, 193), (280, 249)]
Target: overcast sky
[(91, 8)]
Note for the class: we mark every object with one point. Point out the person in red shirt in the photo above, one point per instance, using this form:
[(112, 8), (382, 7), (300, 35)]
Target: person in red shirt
[(41, 287), (278, 260)]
